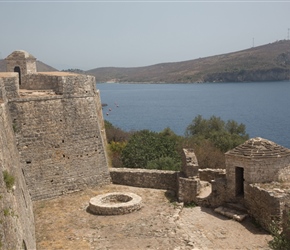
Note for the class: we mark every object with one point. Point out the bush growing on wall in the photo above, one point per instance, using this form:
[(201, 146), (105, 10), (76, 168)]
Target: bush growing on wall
[(8, 179)]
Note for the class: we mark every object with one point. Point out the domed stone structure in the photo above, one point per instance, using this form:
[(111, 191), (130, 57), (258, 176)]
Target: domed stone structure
[(21, 62), (256, 161)]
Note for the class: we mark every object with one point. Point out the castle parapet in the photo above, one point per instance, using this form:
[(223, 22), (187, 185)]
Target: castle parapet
[(62, 83)]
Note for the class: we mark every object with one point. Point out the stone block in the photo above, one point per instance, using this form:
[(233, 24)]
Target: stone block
[(189, 163)]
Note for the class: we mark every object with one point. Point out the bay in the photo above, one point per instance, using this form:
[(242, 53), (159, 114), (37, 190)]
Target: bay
[(262, 106)]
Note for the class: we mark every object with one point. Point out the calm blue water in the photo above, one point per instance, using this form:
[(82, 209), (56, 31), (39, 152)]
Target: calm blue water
[(262, 107)]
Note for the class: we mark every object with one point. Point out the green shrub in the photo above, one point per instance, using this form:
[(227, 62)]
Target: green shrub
[(6, 211), (116, 134), (190, 205), (224, 135), (279, 241), (145, 146), (8, 179), (164, 163)]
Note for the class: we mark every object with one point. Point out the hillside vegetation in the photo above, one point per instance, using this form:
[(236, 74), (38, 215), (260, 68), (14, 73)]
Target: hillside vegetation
[(269, 62)]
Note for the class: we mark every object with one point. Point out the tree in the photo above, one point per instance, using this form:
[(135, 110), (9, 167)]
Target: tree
[(117, 140), (145, 146), (115, 134), (224, 135)]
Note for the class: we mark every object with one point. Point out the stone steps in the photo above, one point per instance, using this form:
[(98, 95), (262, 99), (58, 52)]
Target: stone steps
[(237, 206), (236, 212)]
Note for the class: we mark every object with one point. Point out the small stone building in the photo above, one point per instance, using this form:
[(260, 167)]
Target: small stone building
[(256, 161), (257, 176), (21, 62)]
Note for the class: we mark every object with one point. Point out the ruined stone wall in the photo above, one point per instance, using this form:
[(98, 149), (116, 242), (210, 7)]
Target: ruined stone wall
[(189, 166), (17, 229), (60, 140), (284, 174), (218, 195), (145, 178), (264, 205), (188, 189), (209, 174)]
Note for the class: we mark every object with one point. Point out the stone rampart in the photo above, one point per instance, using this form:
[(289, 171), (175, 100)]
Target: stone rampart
[(145, 178), (52, 142), (17, 230), (62, 83), (60, 142)]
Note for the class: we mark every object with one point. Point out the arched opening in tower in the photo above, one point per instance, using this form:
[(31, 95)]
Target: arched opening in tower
[(17, 69)]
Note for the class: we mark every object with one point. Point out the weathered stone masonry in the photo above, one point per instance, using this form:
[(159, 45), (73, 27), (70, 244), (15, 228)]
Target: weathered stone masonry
[(16, 214), (52, 141), (60, 145), (59, 127)]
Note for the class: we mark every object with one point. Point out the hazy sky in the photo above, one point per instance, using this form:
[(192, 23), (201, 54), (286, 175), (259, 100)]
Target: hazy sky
[(92, 34)]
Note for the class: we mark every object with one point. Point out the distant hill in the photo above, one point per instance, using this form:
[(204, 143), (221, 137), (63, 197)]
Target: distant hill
[(40, 66), (269, 62)]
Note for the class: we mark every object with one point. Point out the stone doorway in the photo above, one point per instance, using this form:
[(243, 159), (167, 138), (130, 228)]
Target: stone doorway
[(17, 69), (239, 181)]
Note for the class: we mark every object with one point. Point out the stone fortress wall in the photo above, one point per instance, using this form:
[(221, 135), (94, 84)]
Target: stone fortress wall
[(60, 142), (59, 129), (52, 142), (16, 213)]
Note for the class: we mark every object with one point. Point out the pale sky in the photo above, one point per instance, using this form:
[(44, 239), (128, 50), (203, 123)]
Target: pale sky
[(92, 34)]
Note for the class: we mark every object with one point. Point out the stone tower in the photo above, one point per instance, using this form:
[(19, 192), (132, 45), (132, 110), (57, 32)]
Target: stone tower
[(58, 126), (21, 62)]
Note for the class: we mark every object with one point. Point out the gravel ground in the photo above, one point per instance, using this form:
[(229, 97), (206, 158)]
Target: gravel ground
[(64, 223)]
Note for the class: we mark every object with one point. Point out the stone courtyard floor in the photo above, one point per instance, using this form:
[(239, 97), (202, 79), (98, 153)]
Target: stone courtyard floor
[(64, 223)]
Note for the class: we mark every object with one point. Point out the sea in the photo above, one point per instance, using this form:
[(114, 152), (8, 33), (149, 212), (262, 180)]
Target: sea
[(264, 107)]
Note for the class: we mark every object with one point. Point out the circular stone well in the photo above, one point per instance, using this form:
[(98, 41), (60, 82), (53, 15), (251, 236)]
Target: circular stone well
[(115, 203)]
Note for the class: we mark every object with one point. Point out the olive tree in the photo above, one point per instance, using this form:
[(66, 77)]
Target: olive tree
[(224, 135)]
